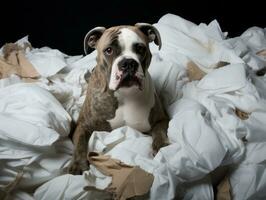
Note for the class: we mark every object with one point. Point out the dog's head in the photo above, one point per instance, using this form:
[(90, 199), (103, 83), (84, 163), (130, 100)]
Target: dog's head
[(123, 52)]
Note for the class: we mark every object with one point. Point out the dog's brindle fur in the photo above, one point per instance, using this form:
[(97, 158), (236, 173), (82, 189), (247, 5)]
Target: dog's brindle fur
[(101, 104)]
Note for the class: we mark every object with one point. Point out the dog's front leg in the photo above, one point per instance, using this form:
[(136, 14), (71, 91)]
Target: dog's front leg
[(81, 138), (159, 135), (79, 161)]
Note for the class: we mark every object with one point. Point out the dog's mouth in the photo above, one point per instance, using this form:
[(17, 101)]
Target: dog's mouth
[(129, 79)]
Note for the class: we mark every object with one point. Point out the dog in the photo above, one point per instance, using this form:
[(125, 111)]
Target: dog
[(120, 90)]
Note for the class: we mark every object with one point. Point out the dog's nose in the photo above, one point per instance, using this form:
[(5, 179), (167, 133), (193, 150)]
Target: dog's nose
[(128, 65)]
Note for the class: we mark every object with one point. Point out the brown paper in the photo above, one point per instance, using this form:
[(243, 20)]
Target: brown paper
[(15, 62), (223, 190), (127, 181), (194, 72), (6, 69), (241, 114), (262, 53)]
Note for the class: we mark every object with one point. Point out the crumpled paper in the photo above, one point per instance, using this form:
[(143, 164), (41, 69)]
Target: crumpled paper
[(14, 61), (127, 181), (223, 190), (198, 109)]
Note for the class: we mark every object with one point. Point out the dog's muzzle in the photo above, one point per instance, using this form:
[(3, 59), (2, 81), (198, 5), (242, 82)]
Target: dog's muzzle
[(128, 66), (129, 75)]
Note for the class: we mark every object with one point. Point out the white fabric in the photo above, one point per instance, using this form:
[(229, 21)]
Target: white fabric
[(250, 174), (204, 130), (47, 61), (33, 126), (183, 41), (248, 44)]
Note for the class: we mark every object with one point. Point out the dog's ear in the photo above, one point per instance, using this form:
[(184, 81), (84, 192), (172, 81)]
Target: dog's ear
[(151, 32), (92, 38)]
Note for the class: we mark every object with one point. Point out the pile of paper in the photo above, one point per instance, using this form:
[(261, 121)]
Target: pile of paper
[(214, 92)]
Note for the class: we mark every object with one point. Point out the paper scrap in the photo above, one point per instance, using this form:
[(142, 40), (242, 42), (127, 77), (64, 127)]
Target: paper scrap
[(15, 62), (241, 114), (194, 72), (223, 190), (127, 181)]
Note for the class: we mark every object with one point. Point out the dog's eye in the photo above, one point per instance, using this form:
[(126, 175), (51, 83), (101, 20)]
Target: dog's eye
[(140, 48), (108, 51)]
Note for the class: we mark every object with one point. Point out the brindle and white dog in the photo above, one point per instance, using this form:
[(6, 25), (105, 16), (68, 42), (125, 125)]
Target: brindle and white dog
[(120, 90)]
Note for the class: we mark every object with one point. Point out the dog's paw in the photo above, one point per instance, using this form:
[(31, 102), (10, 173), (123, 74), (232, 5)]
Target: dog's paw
[(77, 167), (156, 145)]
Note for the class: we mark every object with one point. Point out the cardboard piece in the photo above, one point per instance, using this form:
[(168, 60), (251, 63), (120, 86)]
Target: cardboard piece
[(223, 190), (262, 53), (127, 181), (15, 62), (241, 114), (194, 72), (6, 69)]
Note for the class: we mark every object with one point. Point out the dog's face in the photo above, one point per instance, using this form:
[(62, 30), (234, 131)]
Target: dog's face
[(123, 53)]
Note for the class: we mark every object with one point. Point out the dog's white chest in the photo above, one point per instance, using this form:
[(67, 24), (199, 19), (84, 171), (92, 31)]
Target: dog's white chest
[(134, 110)]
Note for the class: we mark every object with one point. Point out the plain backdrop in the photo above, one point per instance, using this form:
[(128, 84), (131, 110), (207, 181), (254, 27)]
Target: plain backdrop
[(63, 24)]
